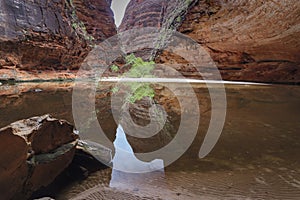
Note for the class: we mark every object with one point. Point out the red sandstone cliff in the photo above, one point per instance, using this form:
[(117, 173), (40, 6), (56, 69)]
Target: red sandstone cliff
[(249, 40), (140, 13), (45, 39)]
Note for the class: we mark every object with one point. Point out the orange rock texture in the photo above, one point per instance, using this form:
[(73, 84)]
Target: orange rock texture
[(249, 40)]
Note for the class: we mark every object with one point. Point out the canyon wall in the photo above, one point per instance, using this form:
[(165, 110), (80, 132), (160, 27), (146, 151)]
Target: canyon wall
[(249, 40), (141, 13), (46, 39)]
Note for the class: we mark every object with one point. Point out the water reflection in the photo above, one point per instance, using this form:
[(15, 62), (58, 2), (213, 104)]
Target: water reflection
[(257, 156), (125, 160), (127, 167)]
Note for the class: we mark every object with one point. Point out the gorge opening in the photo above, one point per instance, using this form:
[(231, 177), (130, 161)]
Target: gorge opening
[(119, 7)]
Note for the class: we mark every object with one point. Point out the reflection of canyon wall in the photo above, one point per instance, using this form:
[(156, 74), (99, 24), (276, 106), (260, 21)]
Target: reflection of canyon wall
[(54, 35), (137, 132), (249, 40)]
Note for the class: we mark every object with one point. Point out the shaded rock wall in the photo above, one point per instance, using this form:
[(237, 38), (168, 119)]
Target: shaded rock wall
[(33, 152), (51, 35), (249, 40), (143, 13), (155, 14), (97, 18)]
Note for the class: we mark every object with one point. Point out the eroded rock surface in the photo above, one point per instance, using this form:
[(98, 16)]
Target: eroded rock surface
[(33, 152), (142, 13), (49, 39), (248, 40)]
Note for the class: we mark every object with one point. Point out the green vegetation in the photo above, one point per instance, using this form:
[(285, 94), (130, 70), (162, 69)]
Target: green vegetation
[(115, 90), (143, 90), (188, 2), (139, 69), (114, 68), (178, 19), (78, 25), (171, 22)]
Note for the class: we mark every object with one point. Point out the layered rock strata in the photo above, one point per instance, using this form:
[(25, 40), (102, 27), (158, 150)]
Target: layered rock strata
[(248, 40), (48, 39)]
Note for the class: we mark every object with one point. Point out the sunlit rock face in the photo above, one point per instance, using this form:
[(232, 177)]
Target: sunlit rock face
[(39, 36), (33, 153), (248, 40)]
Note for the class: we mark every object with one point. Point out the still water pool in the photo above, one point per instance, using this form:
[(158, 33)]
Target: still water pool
[(256, 157)]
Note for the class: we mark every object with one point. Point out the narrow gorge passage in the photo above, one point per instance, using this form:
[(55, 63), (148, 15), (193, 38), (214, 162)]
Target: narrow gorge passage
[(118, 7)]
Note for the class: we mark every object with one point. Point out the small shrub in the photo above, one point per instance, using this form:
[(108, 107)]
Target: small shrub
[(115, 90), (139, 69), (114, 68), (178, 19)]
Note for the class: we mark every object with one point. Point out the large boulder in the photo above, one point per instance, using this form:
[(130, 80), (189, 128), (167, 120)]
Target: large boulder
[(33, 153)]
